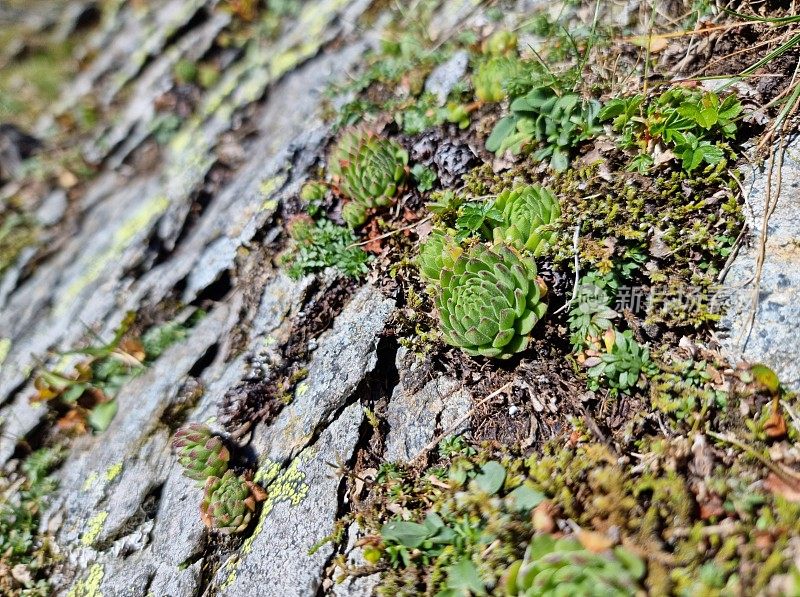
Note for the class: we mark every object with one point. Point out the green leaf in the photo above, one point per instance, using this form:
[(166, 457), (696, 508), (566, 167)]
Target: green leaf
[(424, 176), (525, 498), (491, 477), (559, 161), (502, 129), (74, 392), (765, 377), (409, 534), (101, 415), (464, 578)]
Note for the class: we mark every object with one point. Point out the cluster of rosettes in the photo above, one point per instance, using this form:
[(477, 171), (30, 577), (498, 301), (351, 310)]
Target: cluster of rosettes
[(553, 567), (489, 296), (228, 499), (368, 170)]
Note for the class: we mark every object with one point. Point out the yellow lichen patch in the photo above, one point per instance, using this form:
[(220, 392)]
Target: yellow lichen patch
[(5, 348), (268, 188), (91, 479), (89, 586), (282, 486), (302, 389), (113, 471), (93, 528), (124, 235)]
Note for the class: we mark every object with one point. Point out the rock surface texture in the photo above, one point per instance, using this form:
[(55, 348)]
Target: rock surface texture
[(193, 222), (763, 281), (125, 519)]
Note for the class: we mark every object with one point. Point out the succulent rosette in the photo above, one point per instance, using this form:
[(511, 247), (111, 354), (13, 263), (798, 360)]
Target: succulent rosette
[(528, 215), (228, 504), (488, 300), (554, 567), (438, 250), (201, 453), (368, 170)]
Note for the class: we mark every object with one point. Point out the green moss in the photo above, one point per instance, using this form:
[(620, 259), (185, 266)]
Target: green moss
[(16, 233)]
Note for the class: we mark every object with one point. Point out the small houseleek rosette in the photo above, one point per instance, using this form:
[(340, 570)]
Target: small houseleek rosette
[(228, 503), (489, 299), (368, 170), (438, 250), (530, 213), (200, 452)]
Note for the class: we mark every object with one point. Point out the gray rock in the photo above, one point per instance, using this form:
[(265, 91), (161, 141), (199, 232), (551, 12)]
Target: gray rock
[(300, 511), (445, 76), (415, 417), (345, 355), (777, 317)]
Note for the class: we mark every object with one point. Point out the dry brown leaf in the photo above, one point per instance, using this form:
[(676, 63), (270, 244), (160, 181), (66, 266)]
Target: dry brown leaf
[(595, 542), (543, 518), (775, 427), (657, 43), (779, 486)]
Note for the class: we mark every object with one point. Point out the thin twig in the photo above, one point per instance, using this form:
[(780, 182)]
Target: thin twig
[(785, 474), (575, 239), (769, 207), (390, 233)]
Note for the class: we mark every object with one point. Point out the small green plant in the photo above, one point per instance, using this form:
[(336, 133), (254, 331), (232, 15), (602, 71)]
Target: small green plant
[(692, 124), (445, 204), (590, 315), (24, 554), (367, 170), (475, 219), (556, 123), (553, 567), (228, 503), (529, 215), (402, 537), (492, 76), (622, 365), (317, 245), (684, 389), (454, 445), (438, 250), (424, 176), (89, 393), (488, 298), (201, 453)]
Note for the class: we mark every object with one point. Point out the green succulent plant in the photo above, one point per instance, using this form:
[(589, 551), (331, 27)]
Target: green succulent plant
[(201, 453), (313, 191), (590, 314), (622, 366), (562, 567), (368, 170), (438, 250), (528, 215), (493, 74), (488, 300), (228, 504), (501, 43)]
